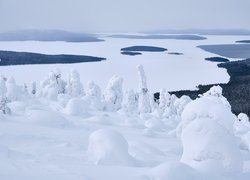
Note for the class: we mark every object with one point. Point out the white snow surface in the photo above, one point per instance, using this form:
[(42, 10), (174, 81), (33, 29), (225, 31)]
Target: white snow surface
[(68, 138), (173, 72), (73, 137)]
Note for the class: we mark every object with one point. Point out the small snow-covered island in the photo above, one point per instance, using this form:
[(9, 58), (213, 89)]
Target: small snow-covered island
[(124, 90)]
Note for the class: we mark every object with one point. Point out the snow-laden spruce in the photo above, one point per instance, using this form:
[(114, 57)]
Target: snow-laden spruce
[(131, 101), (3, 88), (113, 94), (74, 86), (144, 100), (51, 86), (94, 96)]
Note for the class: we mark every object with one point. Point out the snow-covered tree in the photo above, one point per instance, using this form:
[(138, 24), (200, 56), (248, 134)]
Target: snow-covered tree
[(216, 91), (3, 88), (94, 95), (25, 88), (74, 87), (144, 101), (113, 94), (13, 91), (3, 105), (93, 90), (33, 88), (181, 103), (53, 85), (131, 101), (164, 101)]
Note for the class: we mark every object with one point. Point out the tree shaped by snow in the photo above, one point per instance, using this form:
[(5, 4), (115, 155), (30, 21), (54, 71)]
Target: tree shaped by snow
[(33, 88), (3, 88), (131, 101), (74, 86), (13, 91), (164, 101), (93, 90), (216, 91), (53, 85), (144, 101), (113, 94), (181, 103), (94, 95), (3, 105), (61, 84)]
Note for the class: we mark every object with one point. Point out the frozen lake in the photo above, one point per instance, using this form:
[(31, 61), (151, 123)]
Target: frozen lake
[(163, 70)]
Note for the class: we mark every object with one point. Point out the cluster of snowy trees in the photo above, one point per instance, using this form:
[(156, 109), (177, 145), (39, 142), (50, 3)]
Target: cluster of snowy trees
[(72, 95), (68, 91), (78, 99)]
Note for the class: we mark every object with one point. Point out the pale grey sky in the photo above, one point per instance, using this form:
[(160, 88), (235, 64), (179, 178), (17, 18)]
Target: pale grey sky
[(121, 15)]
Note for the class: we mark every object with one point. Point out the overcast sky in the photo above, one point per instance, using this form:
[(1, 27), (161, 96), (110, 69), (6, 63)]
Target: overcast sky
[(121, 15)]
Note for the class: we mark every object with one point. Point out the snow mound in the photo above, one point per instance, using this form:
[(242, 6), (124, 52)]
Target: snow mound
[(210, 108), (246, 140), (108, 147), (77, 107), (44, 117), (208, 146), (207, 135), (172, 171)]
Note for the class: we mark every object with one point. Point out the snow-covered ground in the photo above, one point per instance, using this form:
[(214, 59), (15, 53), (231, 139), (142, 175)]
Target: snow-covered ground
[(66, 128), (170, 71)]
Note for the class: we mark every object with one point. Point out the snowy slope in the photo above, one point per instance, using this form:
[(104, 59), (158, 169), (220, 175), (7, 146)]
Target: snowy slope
[(66, 135), (65, 128)]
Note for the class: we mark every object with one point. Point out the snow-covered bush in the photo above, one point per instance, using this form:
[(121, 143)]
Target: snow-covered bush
[(143, 101), (131, 101), (74, 87), (242, 124), (113, 94), (108, 147), (206, 132), (244, 118)]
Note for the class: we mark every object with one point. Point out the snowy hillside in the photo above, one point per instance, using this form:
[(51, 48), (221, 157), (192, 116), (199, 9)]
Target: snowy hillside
[(62, 128)]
